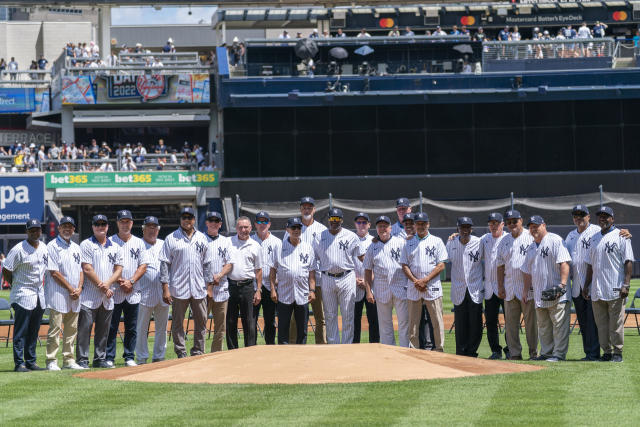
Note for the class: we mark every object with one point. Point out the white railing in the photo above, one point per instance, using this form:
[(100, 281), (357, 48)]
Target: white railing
[(548, 49), (25, 77), (151, 162)]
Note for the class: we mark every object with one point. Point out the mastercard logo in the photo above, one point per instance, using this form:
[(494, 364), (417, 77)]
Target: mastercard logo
[(620, 16), (468, 20), (386, 23)]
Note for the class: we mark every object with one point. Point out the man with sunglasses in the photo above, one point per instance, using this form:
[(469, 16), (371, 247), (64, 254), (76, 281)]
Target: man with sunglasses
[(337, 251), (271, 246), (512, 251), (184, 271), (221, 253), (403, 207), (102, 266), (362, 224)]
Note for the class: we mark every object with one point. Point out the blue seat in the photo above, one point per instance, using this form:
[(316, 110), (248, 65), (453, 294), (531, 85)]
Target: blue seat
[(633, 310), (5, 306)]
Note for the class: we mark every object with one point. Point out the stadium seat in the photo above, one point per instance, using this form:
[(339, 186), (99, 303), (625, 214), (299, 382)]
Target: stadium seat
[(633, 310), (4, 306)]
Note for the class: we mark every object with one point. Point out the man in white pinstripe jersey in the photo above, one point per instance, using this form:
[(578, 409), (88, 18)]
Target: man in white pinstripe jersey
[(151, 303), (24, 269), (362, 224), (337, 250), (386, 284), (126, 297), (512, 252), (63, 286), (422, 259), (467, 288), (293, 282), (221, 255), (102, 266), (547, 266)]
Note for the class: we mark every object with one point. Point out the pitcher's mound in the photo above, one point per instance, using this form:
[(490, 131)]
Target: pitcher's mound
[(312, 364)]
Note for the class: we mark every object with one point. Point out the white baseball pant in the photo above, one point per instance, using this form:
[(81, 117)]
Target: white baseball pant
[(385, 321), (339, 291), (160, 316)]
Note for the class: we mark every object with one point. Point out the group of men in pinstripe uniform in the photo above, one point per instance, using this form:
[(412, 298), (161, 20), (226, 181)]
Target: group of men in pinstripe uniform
[(90, 286)]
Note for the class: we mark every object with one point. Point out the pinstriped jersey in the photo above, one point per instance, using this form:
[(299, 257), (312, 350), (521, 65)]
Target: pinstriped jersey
[(65, 258), (150, 286), (607, 256), (28, 265), (103, 259), (365, 242), (397, 229), (578, 245), (221, 253), (270, 247), (293, 264), (543, 264), (490, 255), (383, 259), (422, 256), (338, 253), (466, 269), (134, 254), (512, 253), (188, 261), (310, 235)]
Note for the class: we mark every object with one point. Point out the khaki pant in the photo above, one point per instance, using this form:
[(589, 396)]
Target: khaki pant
[(199, 313), (553, 330), (609, 316), (434, 307), (57, 321), (219, 312), (512, 311), (318, 315)]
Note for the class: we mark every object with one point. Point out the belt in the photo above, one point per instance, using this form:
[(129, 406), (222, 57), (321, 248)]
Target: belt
[(241, 282), (342, 273)]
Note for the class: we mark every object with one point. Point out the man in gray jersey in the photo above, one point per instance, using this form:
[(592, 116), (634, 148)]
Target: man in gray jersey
[(126, 297), (24, 269), (63, 287)]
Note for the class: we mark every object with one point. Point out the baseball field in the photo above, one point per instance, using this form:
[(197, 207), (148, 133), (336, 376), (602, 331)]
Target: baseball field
[(566, 393)]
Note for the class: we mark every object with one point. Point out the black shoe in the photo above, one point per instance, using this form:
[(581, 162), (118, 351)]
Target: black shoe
[(606, 357), (182, 355), (590, 359), (616, 358), (21, 368), (495, 355), (35, 367), (85, 365), (541, 357), (507, 354)]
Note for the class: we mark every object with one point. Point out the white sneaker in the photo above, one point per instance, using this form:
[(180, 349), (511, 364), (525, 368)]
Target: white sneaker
[(130, 362), (109, 363), (73, 365), (52, 366)]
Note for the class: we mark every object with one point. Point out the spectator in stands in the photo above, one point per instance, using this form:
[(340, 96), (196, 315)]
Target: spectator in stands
[(395, 32), (325, 34), (504, 34), (173, 159), (439, 32), (139, 152), (161, 162), (42, 63), (408, 32), (185, 148), (206, 167), (314, 34), (2, 170), (455, 31), (599, 29), (3, 66), (112, 60), (169, 47), (4, 152), (363, 33), (18, 159), (86, 167), (128, 164), (94, 50), (41, 154), (340, 34), (464, 31), (198, 154), (54, 152), (234, 52), (13, 66), (127, 150), (105, 166), (284, 35), (160, 148), (157, 63), (105, 149), (93, 149), (33, 66), (480, 36)]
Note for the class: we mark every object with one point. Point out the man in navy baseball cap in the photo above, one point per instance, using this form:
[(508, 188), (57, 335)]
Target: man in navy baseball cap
[(294, 222), (580, 210), (308, 200), (362, 226), (492, 300), (67, 220), (99, 219), (151, 220), (186, 211), (33, 223), (464, 220), (403, 207), (125, 214), (263, 217), (383, 218)]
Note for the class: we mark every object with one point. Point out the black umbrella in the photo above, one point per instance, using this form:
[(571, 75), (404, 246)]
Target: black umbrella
[(306, 48), (338, 53), (463, 48)]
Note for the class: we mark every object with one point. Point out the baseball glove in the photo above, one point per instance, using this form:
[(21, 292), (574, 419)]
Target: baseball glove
[(553, 293)]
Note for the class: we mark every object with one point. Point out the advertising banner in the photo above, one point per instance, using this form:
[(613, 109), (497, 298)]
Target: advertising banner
[(29, 136), (21, 199), (132, 179), (17, 100), (123, 89)]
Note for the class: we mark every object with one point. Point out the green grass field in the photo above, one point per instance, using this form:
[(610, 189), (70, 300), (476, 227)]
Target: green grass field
[(568, 393)]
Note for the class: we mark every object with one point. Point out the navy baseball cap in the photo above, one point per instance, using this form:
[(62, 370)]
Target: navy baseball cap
[(67, 220), (308, 199), (151, 220), (124, 214), (263, 214), (580, 209), (335, 212), (512, 214), (99, 218), (535, 219), (495, 216), (383, 218), (361, 215), (421, 217), (33, 223), (605, 210), (408, 217), (187, 210), (402, 202), (465, 220), (214, 214), (294, 222)]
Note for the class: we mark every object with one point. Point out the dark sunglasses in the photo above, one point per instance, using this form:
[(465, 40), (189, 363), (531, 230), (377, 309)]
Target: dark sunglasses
[(511, 221), (216, 220), (362, 222), (295, 227), (262, 222), (100, 224), (187, 217)]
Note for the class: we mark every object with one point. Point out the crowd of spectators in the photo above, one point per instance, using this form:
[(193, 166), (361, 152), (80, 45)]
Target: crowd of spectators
[(12, 67), (102, 157)]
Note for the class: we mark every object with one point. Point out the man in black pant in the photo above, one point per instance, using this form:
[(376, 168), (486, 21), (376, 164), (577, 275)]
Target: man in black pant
[(247, 268), (362, 226)]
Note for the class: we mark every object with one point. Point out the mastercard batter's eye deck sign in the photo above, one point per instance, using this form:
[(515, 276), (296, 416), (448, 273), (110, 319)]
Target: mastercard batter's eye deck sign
[(386, 22)]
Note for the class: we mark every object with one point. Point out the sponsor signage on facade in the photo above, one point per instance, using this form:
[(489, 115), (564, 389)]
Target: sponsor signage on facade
[(21, 199), (132, 179)]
